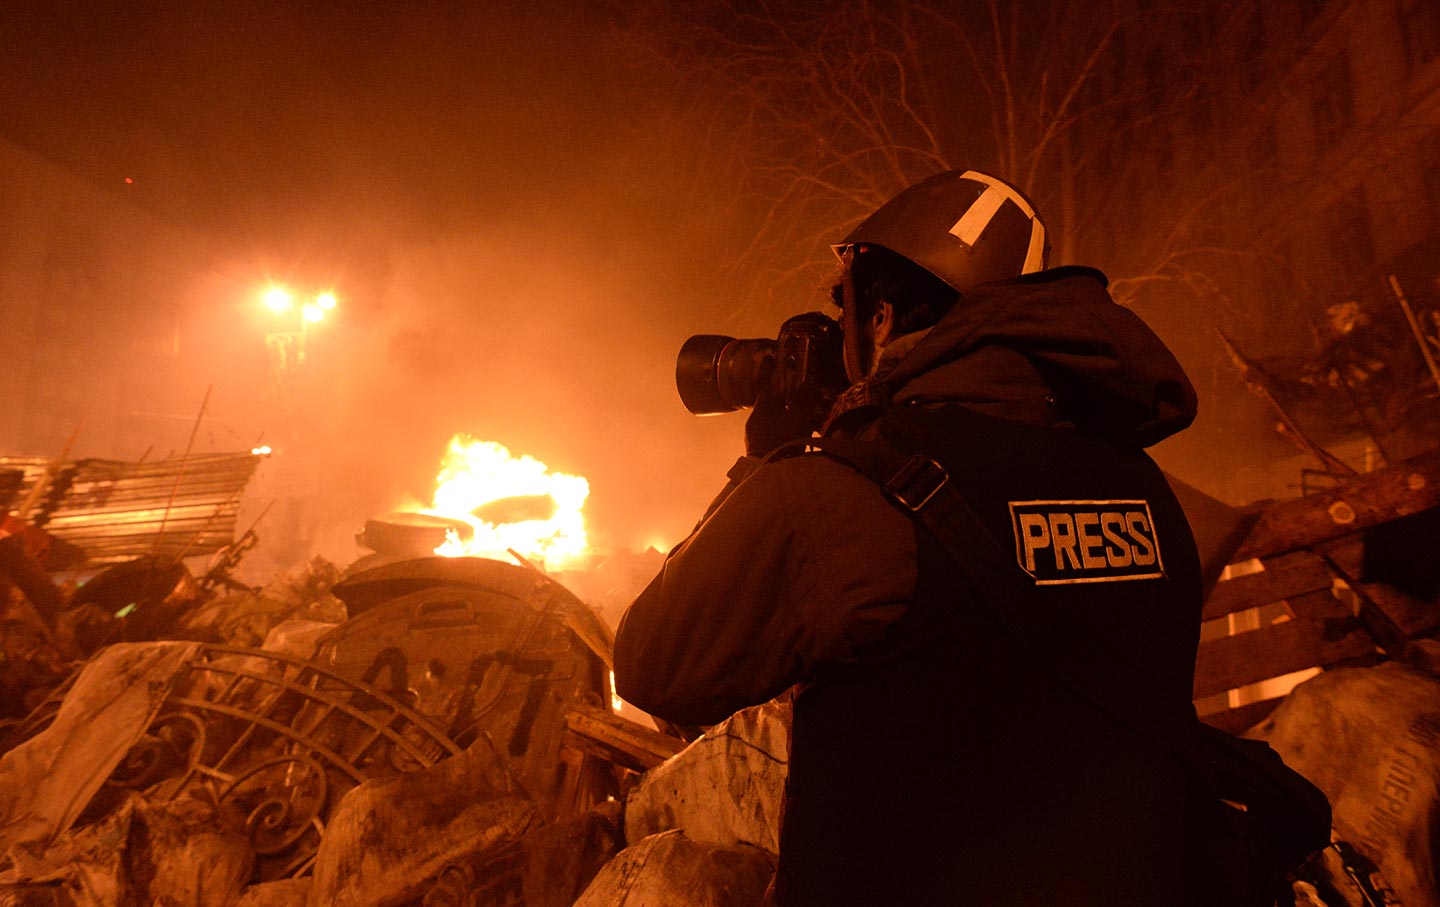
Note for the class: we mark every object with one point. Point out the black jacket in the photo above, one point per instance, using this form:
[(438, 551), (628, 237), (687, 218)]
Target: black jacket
[(933, 760)]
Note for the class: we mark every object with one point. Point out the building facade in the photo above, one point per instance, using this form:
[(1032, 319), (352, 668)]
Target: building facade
[(1285, 164)]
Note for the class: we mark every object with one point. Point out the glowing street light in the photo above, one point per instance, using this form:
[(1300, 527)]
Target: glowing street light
[(278, 299), (287, 347)]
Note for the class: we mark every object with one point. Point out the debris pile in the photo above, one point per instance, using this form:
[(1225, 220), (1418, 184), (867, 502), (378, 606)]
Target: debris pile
[(400, 733), (1371, 370), (441, 731)]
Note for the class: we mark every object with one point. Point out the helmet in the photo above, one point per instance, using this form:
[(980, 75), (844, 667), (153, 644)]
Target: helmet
[(966, 228)]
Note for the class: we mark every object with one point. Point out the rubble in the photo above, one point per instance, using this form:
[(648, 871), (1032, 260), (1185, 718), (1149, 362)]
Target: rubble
[(115, 511), (245, 617), (485, 649), (725, 788), (275, 739), (442, 731), (280, 893), (47, 781), (180, 854), (338, 767), (396, 840), (670, 870), (560, 860)]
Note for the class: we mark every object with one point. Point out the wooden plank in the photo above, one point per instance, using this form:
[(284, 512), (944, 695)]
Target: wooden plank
[(1410, 616), (1242, 718), (1392, 616), (619, 740), (1283, 577), (1395, 609), (1353, 505), (1346, 555), (1321, 605), (1294, 645)]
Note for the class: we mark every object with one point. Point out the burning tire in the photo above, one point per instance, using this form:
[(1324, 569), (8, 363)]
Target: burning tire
[(410, 534)]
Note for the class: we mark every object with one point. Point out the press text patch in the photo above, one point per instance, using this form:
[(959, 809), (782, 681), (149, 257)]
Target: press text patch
[(1085, 541)]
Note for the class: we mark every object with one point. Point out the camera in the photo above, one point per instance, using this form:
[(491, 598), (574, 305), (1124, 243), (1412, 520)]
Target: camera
[(804, 368)]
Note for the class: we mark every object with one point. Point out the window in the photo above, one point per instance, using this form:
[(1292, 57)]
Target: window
[(1420, 30), (1430, 168), (1157, 83), (1352, 246), (1332, 107), (1201, 112), (1264, 148), (1157, 72), (1250, 49), (1163, 150), (1262, 158), (1310, 10)]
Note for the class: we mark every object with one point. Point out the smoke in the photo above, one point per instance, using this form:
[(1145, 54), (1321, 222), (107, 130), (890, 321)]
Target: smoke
[(551, 343), (510, 218), (511, 257)]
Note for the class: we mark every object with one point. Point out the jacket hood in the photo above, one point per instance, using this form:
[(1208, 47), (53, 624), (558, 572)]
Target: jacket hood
[(1055, 336)]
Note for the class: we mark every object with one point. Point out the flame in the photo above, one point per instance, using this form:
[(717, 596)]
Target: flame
[(512, 503)]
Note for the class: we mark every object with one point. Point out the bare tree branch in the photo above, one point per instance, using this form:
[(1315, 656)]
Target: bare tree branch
[(812, 116)]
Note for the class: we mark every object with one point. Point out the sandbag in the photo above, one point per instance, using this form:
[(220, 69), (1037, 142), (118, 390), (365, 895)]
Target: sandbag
[(725, 788), (1370, 739), (671, 870), (560, 860), (389, 840)]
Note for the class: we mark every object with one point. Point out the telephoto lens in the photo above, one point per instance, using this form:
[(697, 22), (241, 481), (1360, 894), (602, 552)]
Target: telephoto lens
[(719, 374)]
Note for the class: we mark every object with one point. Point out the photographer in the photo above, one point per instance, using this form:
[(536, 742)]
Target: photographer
[(936, 756)]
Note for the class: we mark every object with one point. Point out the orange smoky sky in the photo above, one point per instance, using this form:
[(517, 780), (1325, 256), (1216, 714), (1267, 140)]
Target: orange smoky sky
[(508, 214), (510, 254)]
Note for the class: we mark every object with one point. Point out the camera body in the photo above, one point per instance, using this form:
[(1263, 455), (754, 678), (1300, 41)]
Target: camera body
[(803, 368)]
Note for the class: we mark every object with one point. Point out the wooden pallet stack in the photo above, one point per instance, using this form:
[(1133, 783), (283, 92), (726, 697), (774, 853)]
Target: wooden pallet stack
[(1297, 596)]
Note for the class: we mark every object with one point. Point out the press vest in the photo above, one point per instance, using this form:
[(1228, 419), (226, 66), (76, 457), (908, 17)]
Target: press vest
[(945, 765)]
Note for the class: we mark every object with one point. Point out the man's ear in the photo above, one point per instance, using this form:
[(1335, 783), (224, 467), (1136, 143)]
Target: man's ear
[(883, 321)]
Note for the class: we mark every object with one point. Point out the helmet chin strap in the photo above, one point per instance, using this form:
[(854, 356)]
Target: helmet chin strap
[(858, 348)]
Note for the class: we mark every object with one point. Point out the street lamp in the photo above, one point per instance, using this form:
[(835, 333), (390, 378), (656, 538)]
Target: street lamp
[(292, 342), (287, 347), (278, 299)]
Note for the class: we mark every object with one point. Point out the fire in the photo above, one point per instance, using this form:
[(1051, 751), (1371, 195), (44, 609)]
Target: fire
[(512, 503)]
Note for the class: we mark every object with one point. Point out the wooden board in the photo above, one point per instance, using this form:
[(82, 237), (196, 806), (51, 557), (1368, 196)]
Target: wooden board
[(1321, 605), (1241, 718), (617, 739), (1225, 664), (1325, 630), (1285, 576), (1410, 616)]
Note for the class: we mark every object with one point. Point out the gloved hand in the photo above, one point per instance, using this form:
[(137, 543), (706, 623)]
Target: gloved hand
[(771, 424)]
